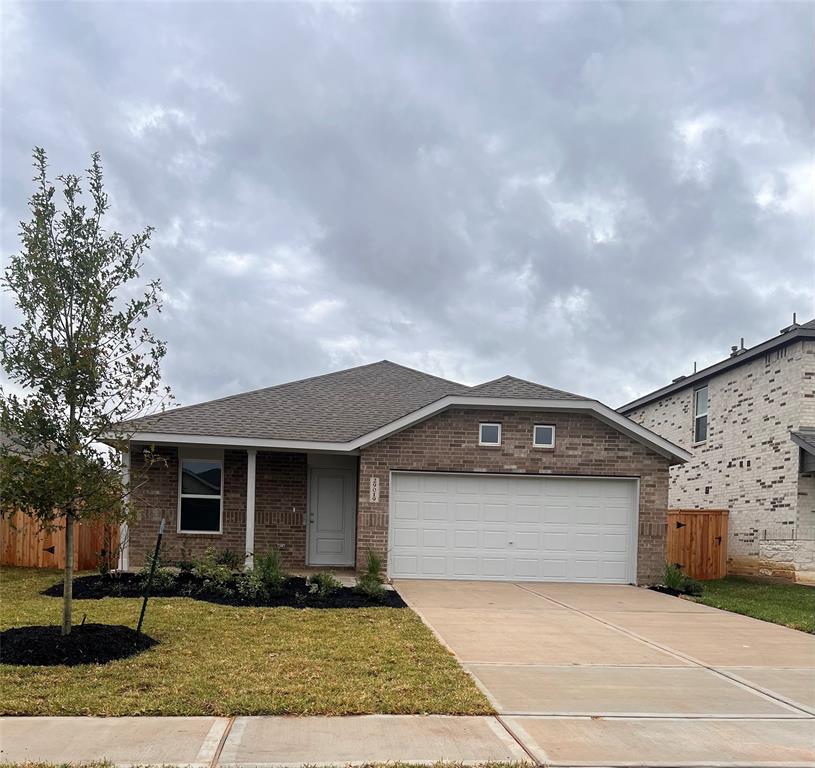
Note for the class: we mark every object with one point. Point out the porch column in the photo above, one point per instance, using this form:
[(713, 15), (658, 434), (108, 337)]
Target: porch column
[(124, 541), (251, 455)]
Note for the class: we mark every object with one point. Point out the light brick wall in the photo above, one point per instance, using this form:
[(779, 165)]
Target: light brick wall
[(748, 464), (280, 501), (584, 446)]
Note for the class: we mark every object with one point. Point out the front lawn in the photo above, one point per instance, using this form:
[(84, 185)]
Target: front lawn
[(223, 660), (791, 605)]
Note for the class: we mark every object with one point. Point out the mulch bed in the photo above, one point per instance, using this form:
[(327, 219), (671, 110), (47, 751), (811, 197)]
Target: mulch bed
[(666, 590), (294, 594), (87, 644)]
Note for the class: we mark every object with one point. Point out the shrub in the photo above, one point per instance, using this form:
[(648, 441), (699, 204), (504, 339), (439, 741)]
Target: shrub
[(678, 581), (269, 569), (693, 587), (230, 559), (186, 561), (323, 584), (250, 588), (371, 581), (214, 578), (164, 580), (673, 577)]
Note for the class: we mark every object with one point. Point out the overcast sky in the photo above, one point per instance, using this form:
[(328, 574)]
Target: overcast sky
[(591, 196)]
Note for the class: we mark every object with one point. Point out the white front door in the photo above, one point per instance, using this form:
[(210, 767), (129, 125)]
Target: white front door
[(331, 516), (518, 528)]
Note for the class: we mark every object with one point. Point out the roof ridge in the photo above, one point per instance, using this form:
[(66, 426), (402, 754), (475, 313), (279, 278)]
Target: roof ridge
[(424, 373), (261, 389), (509, 377)]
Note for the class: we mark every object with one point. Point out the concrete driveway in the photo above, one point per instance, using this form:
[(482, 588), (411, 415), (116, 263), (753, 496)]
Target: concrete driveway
[(617, 676)]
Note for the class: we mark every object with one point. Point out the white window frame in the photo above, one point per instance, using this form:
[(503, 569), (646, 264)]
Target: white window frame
[(535, 443), (489, 424), (705, 415), (197, 456)]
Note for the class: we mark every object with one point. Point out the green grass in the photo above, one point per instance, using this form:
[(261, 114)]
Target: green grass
[(223, 660), (791, 605)]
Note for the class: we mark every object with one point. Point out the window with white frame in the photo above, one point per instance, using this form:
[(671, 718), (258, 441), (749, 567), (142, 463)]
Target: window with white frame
[(489, 434), (700, 415), (200, 503), (543, 436)]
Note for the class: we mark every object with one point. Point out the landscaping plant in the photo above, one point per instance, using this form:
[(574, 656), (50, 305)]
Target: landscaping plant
[(81, 360), (323, 584), (371, 581), (269, 569), (676, 580)]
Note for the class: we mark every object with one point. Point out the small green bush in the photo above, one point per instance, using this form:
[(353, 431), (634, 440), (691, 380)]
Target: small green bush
[(673, 576), (230, 559), (214, 577), (323, 584), (693, 587), (371, 581), (269, 568), (678, 581), (186, 561), (250, 588)]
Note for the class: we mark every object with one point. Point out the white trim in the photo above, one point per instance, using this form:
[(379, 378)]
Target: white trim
[(543, 445), (124, 530), (602, 412), (249, 555), (634, 539), (481, 442), (199, 455)]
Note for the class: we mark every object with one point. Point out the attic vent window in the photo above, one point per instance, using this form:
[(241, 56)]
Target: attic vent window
[(543, 436), (489, 434)]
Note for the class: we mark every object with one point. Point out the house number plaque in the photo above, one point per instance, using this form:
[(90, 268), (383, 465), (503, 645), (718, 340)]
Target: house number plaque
[(374, 489)]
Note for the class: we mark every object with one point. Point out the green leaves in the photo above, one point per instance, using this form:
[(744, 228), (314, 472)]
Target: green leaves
[(82, 357)]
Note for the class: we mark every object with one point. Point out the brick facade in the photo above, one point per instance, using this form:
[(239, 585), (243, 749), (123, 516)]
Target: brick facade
[(279, 507), (749, 464), (584, 446)]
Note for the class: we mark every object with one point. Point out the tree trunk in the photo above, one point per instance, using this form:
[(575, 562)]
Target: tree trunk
[(68, 582)]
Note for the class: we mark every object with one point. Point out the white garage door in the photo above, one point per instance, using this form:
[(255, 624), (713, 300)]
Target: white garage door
[(448, 526)]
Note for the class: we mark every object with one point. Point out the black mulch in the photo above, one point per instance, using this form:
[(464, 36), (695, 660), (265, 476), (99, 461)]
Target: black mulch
[(294, 593), (87, 644), (666, 590)]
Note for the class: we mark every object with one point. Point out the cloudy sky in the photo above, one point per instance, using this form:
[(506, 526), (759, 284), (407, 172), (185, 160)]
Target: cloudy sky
[(591, 195)]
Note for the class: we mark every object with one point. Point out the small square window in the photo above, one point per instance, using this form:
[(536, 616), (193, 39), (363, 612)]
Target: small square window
[(489, 434), (543, 436)]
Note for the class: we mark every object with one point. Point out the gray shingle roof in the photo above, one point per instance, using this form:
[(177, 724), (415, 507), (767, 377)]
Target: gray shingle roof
[(509, 386), (335, 407)]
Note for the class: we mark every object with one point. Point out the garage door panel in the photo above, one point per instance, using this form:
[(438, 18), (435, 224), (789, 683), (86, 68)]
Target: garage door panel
[(467, 511), (434, 510), (406, 510), (494, 539), (511, 527)]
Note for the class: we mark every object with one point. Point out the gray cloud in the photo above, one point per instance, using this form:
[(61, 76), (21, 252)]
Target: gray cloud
[(589, 195)]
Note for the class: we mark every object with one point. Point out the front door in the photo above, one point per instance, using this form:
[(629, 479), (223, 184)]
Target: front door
[(331, 516)]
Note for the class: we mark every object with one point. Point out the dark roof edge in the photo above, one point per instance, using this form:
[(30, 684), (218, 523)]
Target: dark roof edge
[(804, 438), (731, 362)]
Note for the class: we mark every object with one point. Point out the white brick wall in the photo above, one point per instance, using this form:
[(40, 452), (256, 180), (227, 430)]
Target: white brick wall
[(748, 464)]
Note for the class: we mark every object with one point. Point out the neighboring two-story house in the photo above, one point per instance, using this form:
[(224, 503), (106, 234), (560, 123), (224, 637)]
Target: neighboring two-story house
[(749, 422)]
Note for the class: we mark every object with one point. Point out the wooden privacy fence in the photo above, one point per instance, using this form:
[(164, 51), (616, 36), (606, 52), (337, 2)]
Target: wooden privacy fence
[(23, 543), (697, 540)]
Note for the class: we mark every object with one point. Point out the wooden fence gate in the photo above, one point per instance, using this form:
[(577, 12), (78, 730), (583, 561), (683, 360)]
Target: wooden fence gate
[(697, 540), (23, 543)]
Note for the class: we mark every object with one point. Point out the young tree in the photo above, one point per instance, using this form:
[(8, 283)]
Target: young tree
[(81, 358)]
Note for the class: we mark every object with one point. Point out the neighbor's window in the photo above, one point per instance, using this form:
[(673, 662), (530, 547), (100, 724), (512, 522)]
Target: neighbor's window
[(489, 434), (543, 436), (200, 500), (700, 415)]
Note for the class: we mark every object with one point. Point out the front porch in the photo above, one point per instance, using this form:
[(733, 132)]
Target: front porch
[(248, 501)]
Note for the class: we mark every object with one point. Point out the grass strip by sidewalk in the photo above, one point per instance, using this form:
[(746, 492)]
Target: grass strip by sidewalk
[(224, 660), (791, 605)]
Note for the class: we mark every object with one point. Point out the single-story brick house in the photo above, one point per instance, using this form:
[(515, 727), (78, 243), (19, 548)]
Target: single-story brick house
[(504, 480)]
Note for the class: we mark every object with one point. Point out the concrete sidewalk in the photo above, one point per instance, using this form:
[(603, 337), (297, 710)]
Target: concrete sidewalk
[(264, 742)]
